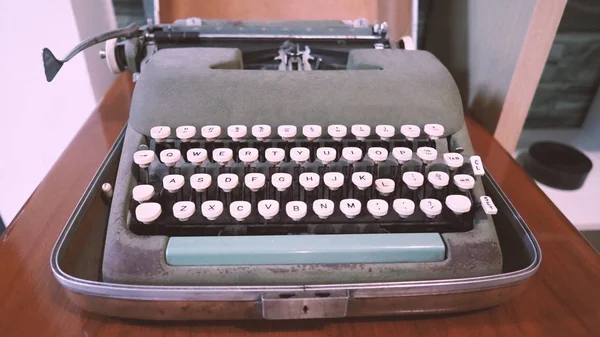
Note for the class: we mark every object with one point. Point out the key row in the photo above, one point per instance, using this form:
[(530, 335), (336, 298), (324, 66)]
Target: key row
[(300, 155), (290, 132), (309, 181), (323, 208)]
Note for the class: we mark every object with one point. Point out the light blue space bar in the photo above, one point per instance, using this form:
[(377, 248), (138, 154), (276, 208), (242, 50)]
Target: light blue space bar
[(304, 249)]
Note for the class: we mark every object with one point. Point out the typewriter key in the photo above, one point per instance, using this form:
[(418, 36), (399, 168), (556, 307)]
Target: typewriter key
[(410, 131), (434, 131), (377, 207), (362, 180), (185, 133), (488, 205), (143, 158), (385, 132), (404, 207), (464, 182), (458, 203), (148, 212), (323, 208), (143, 193), (438, 179), (268, 209), (413, 179), (431, 207), (312, 132), (385, 186), (160, 133), (361, 131), (453, 160), (183, 210)]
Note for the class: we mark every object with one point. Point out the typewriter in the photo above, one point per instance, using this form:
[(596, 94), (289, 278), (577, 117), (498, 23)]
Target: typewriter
[(294, 153)]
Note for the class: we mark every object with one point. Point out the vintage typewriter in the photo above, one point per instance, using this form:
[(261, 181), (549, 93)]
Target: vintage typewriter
[(302, 153)]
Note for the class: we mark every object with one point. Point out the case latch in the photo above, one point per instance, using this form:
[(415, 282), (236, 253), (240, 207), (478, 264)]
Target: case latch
[(306, 304)]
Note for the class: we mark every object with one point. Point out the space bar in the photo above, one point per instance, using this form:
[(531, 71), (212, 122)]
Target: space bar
[(304, 249)]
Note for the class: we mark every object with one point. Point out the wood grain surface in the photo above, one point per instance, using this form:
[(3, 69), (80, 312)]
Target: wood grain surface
[(562, 299)]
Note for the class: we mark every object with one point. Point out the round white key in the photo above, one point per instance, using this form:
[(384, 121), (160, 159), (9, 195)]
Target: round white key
[(361, 131), (296, 210), (413, 179), (248, 155), (268, 209), (275, 155), (170, 156), (323, 208), (240, 210), (477, 165), (287, 132), (438, 179), (159, 133), (309, 180), (212, 209), (377, 154), (434, 131), (362, 180), (197, 156), (326, 154), (173, 182), (410, 131), (143, 193), (222, 155), (453, 160), (210, 132), (377, 207), (185, 132), (350, 207), (431, 207), (458, 203), (312, 132), (183, 210), (402, 154), (385, 132), (337, 131), (385, 186), (404, 207), (427, 154), (148, 212), (254, 181), (143, 157), (237, 132), (200, 181), (228, 181), (488, 205), (464, 181), (281, 181), (299, 154), (333, 180), (352, 154), (261, 132)]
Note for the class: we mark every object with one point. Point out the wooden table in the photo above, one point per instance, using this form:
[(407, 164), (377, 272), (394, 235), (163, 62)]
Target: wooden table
[(562, 299)]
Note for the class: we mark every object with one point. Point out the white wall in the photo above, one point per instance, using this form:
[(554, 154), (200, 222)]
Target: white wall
[(39, 119)]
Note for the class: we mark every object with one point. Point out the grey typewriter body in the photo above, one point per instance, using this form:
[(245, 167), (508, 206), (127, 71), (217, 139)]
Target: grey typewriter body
[(207, 76)]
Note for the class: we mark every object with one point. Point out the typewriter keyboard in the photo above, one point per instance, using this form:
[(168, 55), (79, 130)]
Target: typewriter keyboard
[(258, 180)]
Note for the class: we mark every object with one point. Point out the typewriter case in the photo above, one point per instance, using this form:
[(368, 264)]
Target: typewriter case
[(107, 269)]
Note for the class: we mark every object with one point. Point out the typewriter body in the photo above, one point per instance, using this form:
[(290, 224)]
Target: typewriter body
[(265, 156)]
